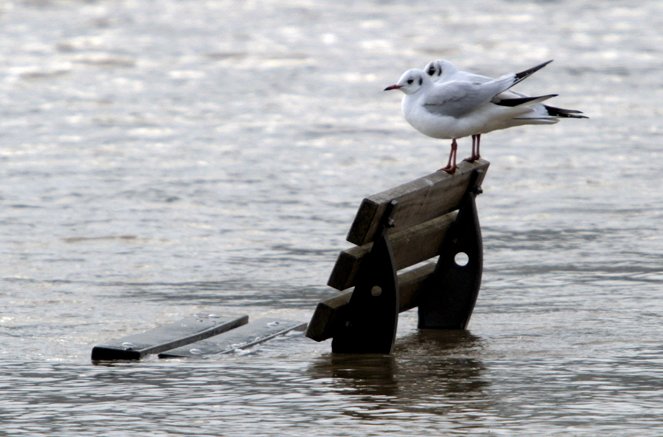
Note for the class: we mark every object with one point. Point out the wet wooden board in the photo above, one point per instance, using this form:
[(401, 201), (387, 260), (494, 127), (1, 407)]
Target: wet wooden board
[(410, 246), (245, 336), (418, 201), (188, 330), (331, 313)]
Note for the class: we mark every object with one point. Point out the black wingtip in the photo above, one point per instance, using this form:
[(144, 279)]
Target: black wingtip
[(522, 100), (564, 113), (526, 73)]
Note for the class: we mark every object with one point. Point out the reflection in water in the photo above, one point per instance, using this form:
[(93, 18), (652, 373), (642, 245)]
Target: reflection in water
[(369, 374), (450, 341), (447, 363), (429, 372)]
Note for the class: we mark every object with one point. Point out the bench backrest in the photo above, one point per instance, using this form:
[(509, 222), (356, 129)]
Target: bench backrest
[(426, 208)]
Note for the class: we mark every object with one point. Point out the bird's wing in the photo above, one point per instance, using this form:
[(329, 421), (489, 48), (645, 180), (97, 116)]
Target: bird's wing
[(472, 77), (457, 98)]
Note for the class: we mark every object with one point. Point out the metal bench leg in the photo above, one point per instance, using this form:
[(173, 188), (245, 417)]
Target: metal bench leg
[(448, 301), (373, 308)]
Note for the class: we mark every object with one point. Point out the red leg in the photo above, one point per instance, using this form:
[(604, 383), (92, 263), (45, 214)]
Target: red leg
[(475, 148), (451, 152), (451, 164)]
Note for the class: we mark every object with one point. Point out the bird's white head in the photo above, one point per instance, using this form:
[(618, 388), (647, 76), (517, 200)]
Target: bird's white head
[(440, 70), (411, 81)]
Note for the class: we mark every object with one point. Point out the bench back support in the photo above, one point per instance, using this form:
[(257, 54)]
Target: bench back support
[(448, 301), (419, 200), (372, 317)]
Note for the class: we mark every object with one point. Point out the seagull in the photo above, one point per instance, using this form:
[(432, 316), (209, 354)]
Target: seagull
[(455, 109), (442, 70)]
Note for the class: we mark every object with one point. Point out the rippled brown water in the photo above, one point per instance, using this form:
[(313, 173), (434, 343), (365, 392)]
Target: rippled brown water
[(159, 158)]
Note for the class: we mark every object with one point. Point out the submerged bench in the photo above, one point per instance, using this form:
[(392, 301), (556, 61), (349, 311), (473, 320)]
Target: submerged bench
[(431, 217), (397, 235)]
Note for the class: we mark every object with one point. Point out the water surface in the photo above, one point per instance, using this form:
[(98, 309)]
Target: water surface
[(158, 159)]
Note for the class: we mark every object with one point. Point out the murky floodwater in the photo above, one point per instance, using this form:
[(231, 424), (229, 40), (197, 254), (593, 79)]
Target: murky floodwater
[(161, 158)]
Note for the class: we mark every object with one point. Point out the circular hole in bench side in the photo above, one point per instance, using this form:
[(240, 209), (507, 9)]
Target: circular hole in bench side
[(461, 259)]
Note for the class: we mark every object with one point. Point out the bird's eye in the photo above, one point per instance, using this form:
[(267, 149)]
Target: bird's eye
[(409, 81), (421, 80), (439, 72), (431, 70)]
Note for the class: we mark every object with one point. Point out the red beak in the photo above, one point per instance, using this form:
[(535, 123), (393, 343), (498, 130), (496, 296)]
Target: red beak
[(393, 87)]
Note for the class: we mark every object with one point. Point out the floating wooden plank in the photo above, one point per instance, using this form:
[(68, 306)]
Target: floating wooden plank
[(330, 313), (418, 201), (410, 246), (248, 335), (188, 330)]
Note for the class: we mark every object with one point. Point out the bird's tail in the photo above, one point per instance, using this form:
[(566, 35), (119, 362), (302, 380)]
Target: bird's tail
[(522, 101), (564, 113), (539, 111)]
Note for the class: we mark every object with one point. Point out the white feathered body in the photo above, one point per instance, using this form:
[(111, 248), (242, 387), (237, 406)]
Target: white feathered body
[(425, 111)]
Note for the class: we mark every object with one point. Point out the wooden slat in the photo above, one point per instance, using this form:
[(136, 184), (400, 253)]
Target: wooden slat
[(191, 329), (241, 338), (330, 313), (418, 201), (410, 246)]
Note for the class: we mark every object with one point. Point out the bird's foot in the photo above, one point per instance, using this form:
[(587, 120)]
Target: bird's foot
[(451, 169), (470, 159)]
